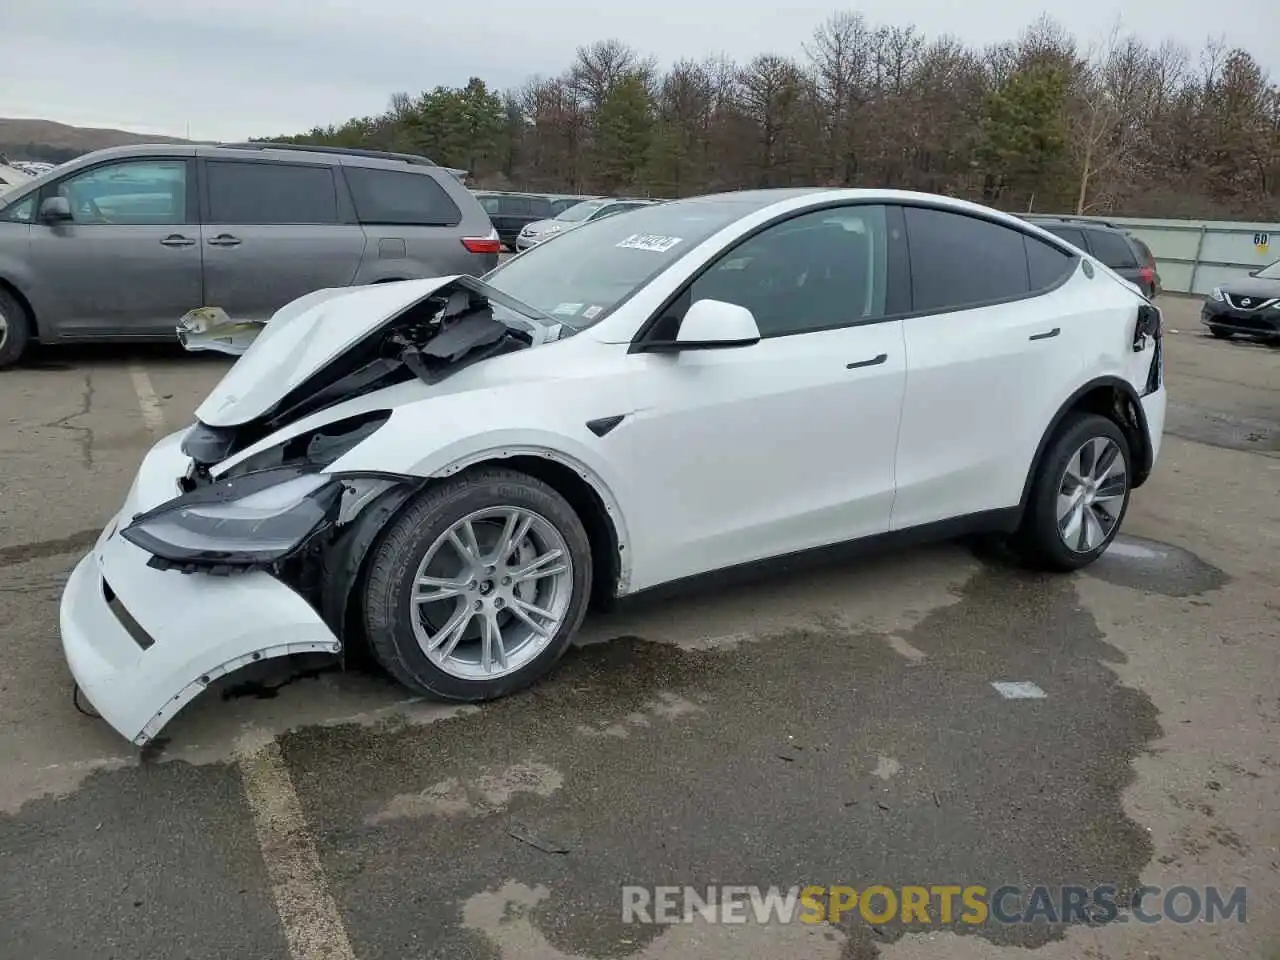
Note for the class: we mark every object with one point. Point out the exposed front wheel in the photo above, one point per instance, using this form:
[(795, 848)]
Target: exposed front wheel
[(476, 589), (15, 329), (1079, 496)]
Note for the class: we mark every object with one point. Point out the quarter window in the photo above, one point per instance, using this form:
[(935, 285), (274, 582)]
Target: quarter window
[(392, 198), (1046, 264), (135, 192), (958, 261), (816, 271), (21, 212), (265, 193)]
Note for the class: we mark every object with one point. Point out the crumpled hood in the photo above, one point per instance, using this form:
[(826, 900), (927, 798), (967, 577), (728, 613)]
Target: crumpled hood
[(300, 339)]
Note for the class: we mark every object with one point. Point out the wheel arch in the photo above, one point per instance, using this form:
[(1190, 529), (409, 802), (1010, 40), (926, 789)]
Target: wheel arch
[(11, 288), (588, 495), (1118, 401)]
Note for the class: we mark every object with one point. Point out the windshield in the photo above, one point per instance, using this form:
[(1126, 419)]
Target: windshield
[(1271, 271), (580, 211), (582, 275)]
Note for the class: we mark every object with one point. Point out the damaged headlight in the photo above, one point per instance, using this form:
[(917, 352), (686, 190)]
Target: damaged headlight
[(255, 519)]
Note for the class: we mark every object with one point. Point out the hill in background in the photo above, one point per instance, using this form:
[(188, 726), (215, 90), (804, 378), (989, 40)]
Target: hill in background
[(59, 142)]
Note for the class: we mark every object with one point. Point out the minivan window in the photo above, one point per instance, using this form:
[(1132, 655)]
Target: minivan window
[(958, 261), (393, 198), (21, 212), (265, 193), (137, 192), (1112, 249), (1071, 235)]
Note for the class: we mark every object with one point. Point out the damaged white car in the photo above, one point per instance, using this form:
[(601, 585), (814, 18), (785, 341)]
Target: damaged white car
[(450, 470)]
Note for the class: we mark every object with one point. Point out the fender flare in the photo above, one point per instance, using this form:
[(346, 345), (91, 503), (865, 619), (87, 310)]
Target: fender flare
[(1140, 427), (613, 510)]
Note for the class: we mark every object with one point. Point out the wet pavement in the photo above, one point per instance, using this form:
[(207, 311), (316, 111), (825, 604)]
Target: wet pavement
[(836, 725)]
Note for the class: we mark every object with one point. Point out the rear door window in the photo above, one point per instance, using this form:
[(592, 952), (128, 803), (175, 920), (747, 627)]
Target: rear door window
[(959, 261), (393, 198), (1112, 249), (1046, 264), (270, 193)]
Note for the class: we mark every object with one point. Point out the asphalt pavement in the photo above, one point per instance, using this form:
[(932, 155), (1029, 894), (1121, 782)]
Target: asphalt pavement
[(830, 725)]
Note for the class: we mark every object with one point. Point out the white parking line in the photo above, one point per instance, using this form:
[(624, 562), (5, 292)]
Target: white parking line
[(1018, 690), (309, 914), (152, 412)]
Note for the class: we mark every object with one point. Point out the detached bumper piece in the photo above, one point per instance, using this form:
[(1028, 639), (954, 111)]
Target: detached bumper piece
[(142, 643)]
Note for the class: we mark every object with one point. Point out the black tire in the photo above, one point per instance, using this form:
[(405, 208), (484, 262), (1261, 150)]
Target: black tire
[(394, 561), (15, 332), (1220, 333), (1038, 541)]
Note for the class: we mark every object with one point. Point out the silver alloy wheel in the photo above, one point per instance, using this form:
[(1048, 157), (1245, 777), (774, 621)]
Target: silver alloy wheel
[(1091, 494), (4, 329), (491, 593)]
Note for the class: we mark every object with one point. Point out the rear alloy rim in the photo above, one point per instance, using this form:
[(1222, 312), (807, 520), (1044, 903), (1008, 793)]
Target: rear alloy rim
[(491, 593), (1091, 495), (4, 329)]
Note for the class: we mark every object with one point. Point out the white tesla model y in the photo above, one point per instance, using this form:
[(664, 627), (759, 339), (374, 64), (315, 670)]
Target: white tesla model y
[(451, 469)]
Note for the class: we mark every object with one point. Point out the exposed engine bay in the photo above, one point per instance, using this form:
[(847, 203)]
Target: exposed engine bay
[(456, 326)]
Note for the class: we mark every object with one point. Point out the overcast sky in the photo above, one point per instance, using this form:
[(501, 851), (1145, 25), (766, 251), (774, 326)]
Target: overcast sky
[(227, 69)]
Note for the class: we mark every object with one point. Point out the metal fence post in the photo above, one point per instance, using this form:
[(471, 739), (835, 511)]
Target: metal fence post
[(1195, 262)]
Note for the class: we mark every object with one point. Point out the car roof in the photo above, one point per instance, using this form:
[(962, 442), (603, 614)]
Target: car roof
[(337, 156)]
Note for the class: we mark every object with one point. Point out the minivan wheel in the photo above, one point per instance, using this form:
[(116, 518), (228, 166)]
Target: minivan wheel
[(1079, 496), (15, 329), (475, 590)]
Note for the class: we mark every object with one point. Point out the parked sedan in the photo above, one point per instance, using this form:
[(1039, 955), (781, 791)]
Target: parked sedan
[(1247, 306), (576, 216), (454, 468)]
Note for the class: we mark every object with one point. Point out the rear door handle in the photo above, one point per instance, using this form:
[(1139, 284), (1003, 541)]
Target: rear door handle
[(177, 240), (1048, 334), (224, 240), (873, 362)]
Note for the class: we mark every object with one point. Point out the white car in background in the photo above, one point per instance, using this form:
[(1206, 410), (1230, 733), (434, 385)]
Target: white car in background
[(11, 177), (575, 216), (451, 470)]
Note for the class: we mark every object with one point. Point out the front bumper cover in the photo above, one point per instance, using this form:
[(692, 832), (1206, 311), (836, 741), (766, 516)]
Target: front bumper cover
[(1261, 322), (141, 643)]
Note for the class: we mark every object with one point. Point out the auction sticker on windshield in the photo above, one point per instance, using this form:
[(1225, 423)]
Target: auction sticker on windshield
[(652, 242), (567, 309)]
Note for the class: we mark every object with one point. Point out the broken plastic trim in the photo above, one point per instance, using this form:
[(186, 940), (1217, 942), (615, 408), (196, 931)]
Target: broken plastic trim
[(251, 521)]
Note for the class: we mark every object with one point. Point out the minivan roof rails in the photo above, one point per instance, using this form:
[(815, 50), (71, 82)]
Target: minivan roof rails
[(344, 151)]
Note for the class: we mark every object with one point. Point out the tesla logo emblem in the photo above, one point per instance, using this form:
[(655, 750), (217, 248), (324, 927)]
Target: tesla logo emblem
[(1246, 302)]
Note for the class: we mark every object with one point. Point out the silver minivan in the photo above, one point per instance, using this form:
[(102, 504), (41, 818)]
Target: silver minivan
[(120, 243)]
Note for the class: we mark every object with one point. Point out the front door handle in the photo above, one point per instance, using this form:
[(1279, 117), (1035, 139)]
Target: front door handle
[(177, 240), (224, 240), (1048, 334), (873, 362)]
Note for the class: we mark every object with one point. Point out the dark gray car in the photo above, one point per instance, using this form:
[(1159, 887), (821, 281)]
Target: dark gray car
[(119, 244)]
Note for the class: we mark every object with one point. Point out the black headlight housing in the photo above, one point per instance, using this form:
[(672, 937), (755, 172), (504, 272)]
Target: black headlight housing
[(255, 520)]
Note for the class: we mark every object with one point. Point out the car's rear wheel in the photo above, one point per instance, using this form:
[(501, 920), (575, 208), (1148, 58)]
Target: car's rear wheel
[(475, 590), (1220, 333), (15, 329), (1079, 496)]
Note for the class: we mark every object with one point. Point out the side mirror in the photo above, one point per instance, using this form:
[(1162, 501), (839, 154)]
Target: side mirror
[(55, 210), (709, 325)]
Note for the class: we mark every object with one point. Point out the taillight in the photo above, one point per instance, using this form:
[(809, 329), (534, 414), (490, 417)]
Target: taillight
[(1148, 274), (482, 244)]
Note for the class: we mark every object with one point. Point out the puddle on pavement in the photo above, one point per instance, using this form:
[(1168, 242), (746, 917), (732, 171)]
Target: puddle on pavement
[(1155, 567)]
